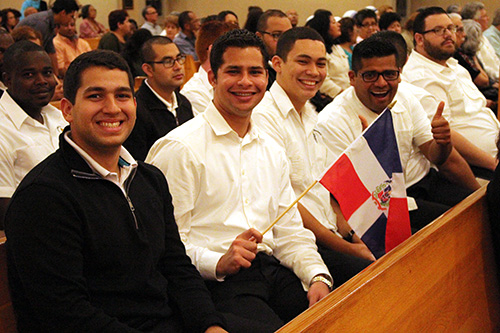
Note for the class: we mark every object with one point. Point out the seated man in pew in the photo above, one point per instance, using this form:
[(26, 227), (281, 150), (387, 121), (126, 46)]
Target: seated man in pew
[(375, 80), (432, 67), (29, 125), (160, 107), (287, 117), (68, 46), (229, 182), (92, 241)]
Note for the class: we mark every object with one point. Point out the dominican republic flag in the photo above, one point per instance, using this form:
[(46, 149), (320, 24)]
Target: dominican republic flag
[(368, 182)]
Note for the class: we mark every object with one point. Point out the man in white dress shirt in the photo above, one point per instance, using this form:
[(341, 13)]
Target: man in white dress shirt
[(433, 68), (375, 80), (286, 116), (29, 125), (228, 183)]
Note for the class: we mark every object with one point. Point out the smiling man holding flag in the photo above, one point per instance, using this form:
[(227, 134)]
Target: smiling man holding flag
[(374, 80)]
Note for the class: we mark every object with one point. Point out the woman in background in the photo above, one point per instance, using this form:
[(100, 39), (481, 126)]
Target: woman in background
[(348, 36), (337, 78), (171, 26), (90, 28)]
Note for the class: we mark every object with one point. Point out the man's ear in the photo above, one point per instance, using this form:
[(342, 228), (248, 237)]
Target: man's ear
[(6, 79), (211, 77), (419, 38), (148, 69), (277, 62), (352, 75), (67, 110)]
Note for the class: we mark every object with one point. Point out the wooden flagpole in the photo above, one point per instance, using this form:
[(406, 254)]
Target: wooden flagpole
[(390, 106), (289, 207)]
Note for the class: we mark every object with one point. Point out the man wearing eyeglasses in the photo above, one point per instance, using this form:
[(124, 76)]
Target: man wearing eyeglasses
[(433, 68), (271, 25), (366, 24), (375, 78), (160, 108)]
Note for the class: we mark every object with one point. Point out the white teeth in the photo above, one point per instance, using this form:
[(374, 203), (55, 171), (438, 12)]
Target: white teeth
[(110, 125), (379, 93), (309, 83), (243, 94)]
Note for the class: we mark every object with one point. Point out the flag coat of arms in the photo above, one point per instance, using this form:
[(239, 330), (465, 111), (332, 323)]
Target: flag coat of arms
[(368, 182)]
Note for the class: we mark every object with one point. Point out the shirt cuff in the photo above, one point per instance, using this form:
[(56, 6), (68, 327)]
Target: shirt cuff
[(315, 270), (208, 265)]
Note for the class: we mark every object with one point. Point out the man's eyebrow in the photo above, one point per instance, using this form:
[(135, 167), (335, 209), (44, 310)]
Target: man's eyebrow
[(101, 89), (93, 89)]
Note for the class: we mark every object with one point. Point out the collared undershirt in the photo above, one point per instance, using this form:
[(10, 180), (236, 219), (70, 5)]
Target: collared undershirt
[(172, 107), (126, 164)]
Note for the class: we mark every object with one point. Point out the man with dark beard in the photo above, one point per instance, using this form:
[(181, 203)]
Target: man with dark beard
[(432, 67)]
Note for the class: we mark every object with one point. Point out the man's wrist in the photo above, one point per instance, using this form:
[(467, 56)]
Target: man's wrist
[(324, 279)]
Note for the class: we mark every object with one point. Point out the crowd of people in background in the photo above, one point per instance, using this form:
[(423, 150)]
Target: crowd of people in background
[(159, 186)]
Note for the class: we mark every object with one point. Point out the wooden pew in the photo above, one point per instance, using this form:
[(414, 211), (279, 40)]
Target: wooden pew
[(191, 66), (93, 42), (441, 279), (7, 318)]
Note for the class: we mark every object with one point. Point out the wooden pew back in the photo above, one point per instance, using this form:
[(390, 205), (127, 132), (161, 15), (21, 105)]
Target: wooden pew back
[(7, 318), (93, 42), (441, 279)]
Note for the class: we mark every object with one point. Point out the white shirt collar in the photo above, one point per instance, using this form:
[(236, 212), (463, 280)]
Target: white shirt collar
[(220, 126), (451, 62), (18, 116), (172, 107), (126, 163)]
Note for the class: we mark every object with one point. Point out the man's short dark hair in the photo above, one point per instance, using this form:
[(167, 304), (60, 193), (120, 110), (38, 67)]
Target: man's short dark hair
[(262, 23), (14, 53), (363, 14), (387, 19), (148, 54), (184, 19), (398, 41), (96, 58), (235, 38), (222, 15), (66, 5), (115, 17), (370, 48), (470, 11), (289, 37), (419, 23)]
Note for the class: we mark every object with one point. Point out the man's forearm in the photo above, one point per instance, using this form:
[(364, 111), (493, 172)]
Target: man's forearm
[(472, 154), (456, 170)]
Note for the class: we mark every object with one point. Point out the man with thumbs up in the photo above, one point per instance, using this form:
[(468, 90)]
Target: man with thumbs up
[(375, 78)]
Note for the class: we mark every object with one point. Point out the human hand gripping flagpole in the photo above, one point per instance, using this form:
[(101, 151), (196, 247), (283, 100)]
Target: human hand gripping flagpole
[(390, 106)]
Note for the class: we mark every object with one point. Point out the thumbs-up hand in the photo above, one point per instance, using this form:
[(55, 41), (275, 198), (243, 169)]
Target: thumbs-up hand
[(440, 127)]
